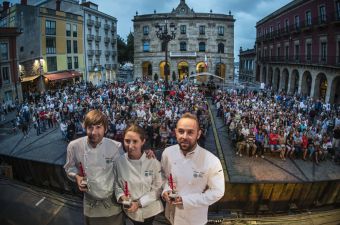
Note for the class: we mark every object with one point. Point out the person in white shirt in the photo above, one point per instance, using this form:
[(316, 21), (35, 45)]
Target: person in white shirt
[(142, 176), (93, 157), (197, 175)]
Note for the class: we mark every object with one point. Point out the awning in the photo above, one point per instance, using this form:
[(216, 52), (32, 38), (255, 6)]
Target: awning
[(28, 78), (66, 75)]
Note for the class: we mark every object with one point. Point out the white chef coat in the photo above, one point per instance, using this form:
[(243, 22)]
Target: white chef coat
[(199, 181), (145, 182), (98, 164)]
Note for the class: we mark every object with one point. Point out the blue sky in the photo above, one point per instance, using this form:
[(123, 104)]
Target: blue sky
[(246, 13)]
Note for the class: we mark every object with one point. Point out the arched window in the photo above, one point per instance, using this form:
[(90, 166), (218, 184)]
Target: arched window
[(146, 46), (183, 46), (220, 48), (201, 46)]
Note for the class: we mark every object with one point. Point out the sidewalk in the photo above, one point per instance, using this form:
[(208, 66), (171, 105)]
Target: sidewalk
[(8, 118)]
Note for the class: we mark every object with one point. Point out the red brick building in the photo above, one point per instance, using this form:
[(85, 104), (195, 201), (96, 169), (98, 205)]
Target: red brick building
[(10, 87), (298, 49)]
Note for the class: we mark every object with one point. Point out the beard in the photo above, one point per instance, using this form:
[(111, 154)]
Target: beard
[(94, 139), (186, 146)]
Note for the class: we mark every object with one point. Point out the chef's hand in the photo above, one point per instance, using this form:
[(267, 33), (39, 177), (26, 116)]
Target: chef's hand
[(82, 187), (150, 154)]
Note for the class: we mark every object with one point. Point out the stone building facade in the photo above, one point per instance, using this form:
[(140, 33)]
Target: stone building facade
[(298, 49), (247, 65), (204, 42)]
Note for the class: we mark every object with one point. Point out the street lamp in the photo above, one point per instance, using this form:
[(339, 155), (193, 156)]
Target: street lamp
[(166, 35)]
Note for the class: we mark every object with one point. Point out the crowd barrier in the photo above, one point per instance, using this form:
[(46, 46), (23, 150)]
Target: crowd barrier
[(253, 198)]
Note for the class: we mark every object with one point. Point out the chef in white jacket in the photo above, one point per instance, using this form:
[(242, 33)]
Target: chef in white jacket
[(138, 179), (197, 175)]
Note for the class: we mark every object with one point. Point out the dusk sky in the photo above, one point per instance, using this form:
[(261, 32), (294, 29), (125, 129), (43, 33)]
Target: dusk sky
[(246, 13)]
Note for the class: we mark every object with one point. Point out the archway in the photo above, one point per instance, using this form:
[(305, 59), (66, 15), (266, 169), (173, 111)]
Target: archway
[(334, 97), (183, 70), (306, 85), (321, 84), (270, 77), (162, 70), (200, 68), (284, 80), (220, 70), (264, 75), (276, 81), (147, 70), (294, 82)]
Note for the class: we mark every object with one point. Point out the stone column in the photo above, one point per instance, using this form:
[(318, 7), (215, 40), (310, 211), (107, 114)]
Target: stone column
[(312, 89)]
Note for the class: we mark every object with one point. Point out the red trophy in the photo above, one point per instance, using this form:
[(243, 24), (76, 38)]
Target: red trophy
[(82, 174), (127, 202), (174, 194)]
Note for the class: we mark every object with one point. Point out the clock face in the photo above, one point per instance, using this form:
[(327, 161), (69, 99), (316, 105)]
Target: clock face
[(182, 10)]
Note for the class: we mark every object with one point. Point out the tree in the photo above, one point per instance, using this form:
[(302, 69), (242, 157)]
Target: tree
[(121, 49), (130, 47)]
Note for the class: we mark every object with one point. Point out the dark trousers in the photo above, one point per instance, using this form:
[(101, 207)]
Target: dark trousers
[(147, 221)]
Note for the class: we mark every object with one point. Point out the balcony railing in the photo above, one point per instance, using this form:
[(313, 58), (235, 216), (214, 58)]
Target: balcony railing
[(113, 53), (183, 54), (98, 38), (303, 59), (90, 52), (97, 24), (106, 40), (106, 27), (98, 52), (90, 22), (107, 53), (113, 41), (90, 37)]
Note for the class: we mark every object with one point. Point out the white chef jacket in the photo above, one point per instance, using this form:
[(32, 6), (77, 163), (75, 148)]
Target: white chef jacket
[(144, 180), (98, 164), (199, 181)]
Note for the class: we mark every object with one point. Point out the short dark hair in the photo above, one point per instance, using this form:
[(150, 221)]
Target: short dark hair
[(95, 117)]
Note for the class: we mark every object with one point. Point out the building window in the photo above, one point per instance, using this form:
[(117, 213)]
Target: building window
[(278, 28), (146, 46), (287, 52), (50, 45), (297, 22), (220, 48), (183, 46), (69, 63), (68, 30), (322, 14), (75, 30), (271, 30), (323, 51), (220, 30), (51, 63), (278, 52), (4, 51), (183, 29), (308, 18), (50, 27), (202, 30), (146, 30), (75, 46), (286, 25), (5, 75), (68, 46), (338, 56), (297, 51), (308, 51), (76, 66), (201, 46), (338, 10)]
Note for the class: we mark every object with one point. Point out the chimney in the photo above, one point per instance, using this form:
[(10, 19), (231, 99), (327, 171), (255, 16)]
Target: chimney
[(23, 2), (57, 7), (5, 5)]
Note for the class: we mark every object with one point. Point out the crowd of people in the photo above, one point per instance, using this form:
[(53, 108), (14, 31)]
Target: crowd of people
[(142, 102), (293, 126)]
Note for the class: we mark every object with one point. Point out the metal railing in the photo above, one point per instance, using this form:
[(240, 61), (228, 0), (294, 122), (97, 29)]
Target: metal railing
[(90, 22), (97, 24), (90, 37), (303, 59)]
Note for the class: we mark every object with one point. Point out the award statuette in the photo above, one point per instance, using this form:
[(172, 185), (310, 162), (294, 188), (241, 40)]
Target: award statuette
[(127, 202), (83, 174), (174, 194)]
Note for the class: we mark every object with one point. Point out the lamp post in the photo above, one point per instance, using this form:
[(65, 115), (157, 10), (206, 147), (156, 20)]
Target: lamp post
[(166, 35), (41, 73)]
